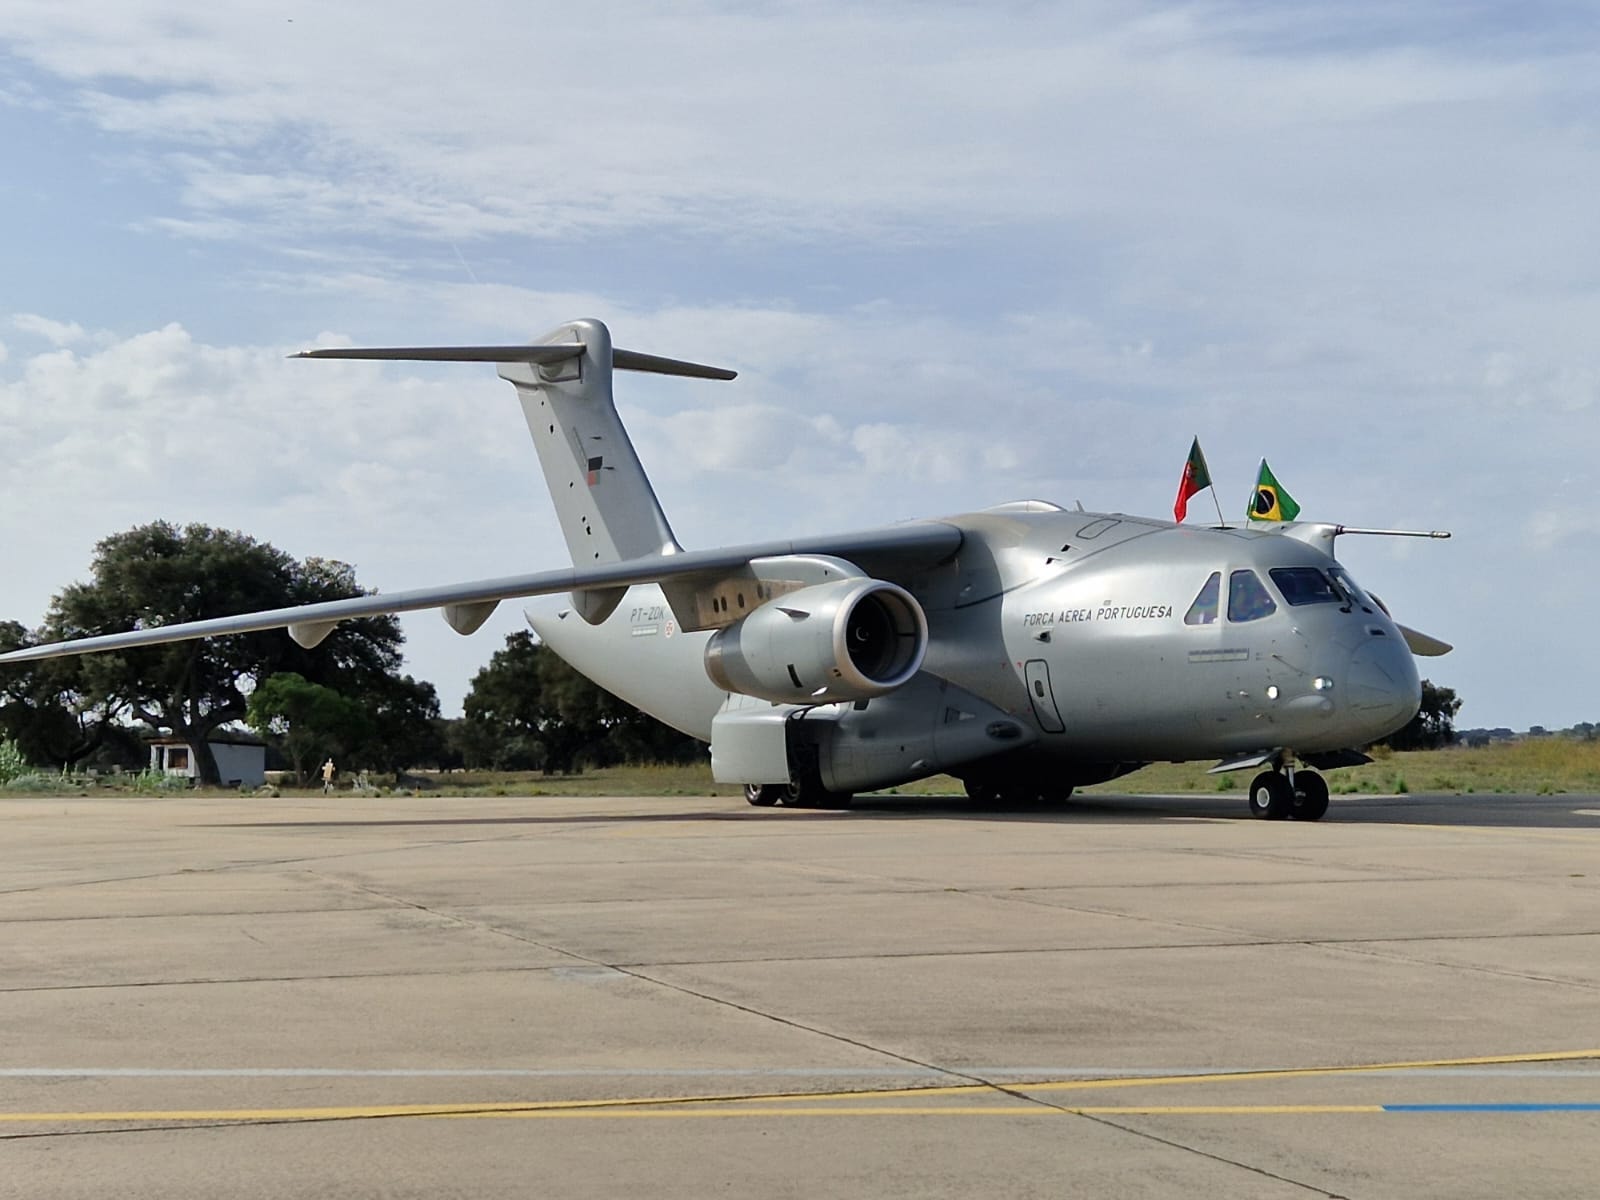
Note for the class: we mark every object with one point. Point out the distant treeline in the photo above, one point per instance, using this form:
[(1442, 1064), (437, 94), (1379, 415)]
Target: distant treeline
[(346, 698)]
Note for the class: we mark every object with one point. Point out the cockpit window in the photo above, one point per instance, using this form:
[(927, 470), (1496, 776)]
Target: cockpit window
[(1305, 585), (1247, 597), (1204, 609)]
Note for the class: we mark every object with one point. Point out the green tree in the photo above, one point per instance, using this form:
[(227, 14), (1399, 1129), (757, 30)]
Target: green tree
[(587, 725), (45, 708), (402, 716), (503, 714), (1434, 724), (159, 574), (309, 720), (529, 710)]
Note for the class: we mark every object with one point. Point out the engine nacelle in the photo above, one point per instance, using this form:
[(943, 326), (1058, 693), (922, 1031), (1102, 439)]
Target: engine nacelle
[(851, 639)]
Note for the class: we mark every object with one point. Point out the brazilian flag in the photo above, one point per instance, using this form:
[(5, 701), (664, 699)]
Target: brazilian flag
[(1270, 502)]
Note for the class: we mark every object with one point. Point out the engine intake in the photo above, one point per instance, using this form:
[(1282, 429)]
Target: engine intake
[(847, 640)]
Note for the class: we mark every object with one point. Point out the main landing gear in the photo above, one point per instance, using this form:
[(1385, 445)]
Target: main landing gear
[(1015, 795), (1287, 792), (795, 795)]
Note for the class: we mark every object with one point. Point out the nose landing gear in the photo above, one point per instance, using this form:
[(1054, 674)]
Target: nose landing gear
[(1286, 792)]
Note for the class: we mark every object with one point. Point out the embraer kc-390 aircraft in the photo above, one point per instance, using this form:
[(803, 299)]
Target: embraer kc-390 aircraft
[(1024, 649)]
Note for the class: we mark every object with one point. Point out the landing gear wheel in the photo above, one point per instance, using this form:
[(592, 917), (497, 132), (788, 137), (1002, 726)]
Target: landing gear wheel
[(1271, 796), (811, 794), (763, 795), (1024, 797), (1310, 796), (983, 793)]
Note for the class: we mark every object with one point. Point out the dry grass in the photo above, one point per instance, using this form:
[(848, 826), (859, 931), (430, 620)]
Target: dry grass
[(1538, 765)]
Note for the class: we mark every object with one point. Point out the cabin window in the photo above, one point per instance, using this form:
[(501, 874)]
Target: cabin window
[(1305, 585), (1204, 609), (1248, 599)]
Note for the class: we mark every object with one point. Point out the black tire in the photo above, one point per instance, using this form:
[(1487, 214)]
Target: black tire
[(982, 793), (1271, 797), (763, 795), (811, 794), (1310, 797)]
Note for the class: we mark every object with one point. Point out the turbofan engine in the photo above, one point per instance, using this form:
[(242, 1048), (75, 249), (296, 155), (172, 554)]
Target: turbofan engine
[(847, 640)]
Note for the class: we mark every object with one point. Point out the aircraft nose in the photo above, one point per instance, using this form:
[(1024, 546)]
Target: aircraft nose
[(1382, 686)]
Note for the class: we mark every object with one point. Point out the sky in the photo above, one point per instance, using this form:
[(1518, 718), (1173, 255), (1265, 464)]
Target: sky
[(959, 253)]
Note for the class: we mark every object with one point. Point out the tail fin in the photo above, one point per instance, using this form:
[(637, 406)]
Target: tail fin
[(603, 499)]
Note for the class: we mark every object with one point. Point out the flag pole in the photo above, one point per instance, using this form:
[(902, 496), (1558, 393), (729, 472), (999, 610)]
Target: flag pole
[(1221, 521)]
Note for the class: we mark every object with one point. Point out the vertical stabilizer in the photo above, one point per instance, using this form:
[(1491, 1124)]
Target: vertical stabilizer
[(607, 508)]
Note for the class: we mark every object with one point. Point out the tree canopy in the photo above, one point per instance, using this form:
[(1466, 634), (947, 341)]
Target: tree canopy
[(529, 710), (48, 710), (1434, 724), (160, 574)]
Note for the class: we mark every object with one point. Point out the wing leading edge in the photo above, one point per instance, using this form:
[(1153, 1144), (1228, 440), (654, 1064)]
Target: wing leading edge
[(467, 605)]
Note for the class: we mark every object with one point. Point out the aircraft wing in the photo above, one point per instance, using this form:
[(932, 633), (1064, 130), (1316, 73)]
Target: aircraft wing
[(467, 605)]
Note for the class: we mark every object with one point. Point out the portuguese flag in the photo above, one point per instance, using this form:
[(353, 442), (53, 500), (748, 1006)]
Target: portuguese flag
[(1270, 502), (1195, 479)]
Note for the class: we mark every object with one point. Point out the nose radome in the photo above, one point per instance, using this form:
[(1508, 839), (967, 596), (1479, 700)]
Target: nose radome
[(1383, 686)]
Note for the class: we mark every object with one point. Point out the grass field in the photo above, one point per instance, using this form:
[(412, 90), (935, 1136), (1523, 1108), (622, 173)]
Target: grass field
[(1538, 765), (1541, 765)]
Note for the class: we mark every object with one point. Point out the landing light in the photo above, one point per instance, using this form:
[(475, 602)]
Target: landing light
[(1272, 691), (1322, 683)]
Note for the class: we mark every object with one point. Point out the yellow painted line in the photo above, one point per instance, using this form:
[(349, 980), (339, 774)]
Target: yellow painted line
[(806, 1103), (1487, 1060), (498, 1112)]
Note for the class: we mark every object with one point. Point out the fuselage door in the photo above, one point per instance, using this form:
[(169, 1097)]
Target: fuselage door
[(1037, 676)]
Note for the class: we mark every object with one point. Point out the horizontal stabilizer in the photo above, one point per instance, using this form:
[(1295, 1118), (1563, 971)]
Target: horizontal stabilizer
[(621, 360)]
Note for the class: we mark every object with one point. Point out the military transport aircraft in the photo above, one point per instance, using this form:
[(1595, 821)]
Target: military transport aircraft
[(1025, 649)]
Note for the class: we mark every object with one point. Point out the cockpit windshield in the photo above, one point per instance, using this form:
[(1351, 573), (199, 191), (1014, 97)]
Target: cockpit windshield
[(1351, 589), (1305, 585), (1248, 598)]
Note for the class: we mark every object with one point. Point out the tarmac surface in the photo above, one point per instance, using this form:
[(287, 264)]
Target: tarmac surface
[(682, 997)]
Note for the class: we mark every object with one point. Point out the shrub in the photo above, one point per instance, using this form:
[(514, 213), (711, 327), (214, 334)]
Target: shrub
[(38, 781), (12, 764), (149, 782)]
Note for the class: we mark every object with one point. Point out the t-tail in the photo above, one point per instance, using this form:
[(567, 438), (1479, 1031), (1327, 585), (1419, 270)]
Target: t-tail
[(608, 511)]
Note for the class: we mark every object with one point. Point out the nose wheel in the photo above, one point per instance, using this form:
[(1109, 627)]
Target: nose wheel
[(1310, 796), (1302, 795)]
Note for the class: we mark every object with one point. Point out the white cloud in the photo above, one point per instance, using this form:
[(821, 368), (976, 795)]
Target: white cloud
[(57, 333), (958, 254)]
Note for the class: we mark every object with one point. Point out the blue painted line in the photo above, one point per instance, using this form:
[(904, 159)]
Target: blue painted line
[(1490, 1108)]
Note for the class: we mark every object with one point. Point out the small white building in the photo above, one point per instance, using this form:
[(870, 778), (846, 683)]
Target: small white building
[(241, 759)]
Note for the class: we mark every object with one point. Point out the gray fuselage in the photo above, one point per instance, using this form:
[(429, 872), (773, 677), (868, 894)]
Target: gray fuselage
[(1092, 630)]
